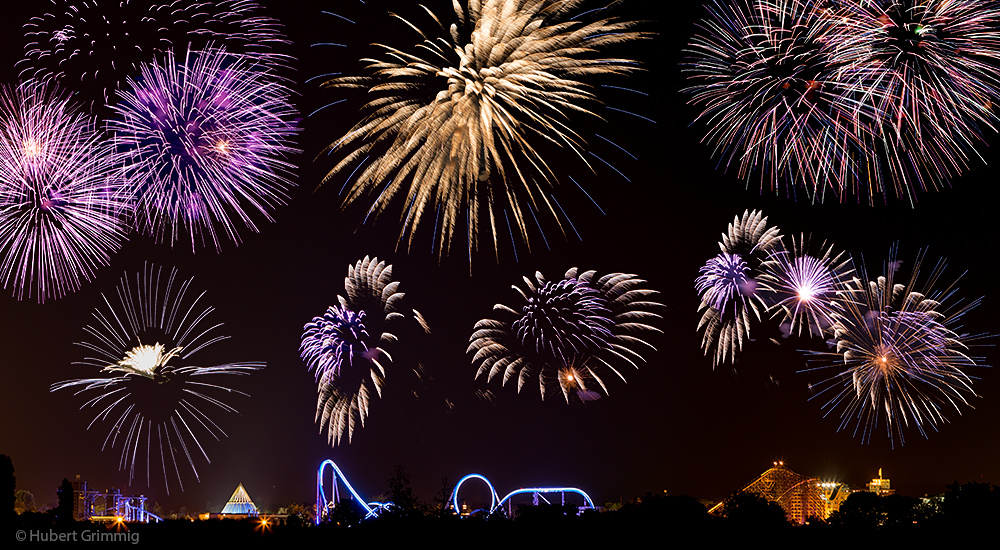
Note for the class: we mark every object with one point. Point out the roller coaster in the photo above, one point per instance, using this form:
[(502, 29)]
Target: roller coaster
[(325, 506)]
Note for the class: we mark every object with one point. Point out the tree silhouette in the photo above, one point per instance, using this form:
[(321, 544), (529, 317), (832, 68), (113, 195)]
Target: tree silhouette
[(971, 504), (404, 503), (7, 486), (443, 499), (64, 511), (861, 510), (345, 514), (748, 509), (24, 502), (899, 510)]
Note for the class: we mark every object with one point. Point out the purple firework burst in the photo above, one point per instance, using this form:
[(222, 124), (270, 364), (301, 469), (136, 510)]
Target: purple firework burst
[(565, 319), (724, 278), (569, 333), (94, 45), (60, 194), (205, 139), (337, 338), (806, 283), (737, 272)]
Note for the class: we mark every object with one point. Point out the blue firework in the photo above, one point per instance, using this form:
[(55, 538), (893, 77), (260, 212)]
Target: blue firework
[(732, 285), (724, 278), (347, 346)]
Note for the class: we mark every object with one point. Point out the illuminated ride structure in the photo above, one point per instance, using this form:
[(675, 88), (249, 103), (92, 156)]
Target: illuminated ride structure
[(537, 494), (324, 505), (109, 505), (799, 496)]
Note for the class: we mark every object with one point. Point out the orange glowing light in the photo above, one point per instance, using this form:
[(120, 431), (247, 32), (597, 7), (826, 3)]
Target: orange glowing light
[(264, 525)]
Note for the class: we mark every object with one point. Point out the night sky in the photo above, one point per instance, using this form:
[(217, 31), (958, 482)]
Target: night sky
[(678, 425)]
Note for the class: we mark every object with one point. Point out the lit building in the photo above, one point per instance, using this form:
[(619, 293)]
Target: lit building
[(880, 486), (240, 504), (110, 505)]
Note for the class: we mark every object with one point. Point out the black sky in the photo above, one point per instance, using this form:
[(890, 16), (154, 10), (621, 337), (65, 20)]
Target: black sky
[(677, 426)]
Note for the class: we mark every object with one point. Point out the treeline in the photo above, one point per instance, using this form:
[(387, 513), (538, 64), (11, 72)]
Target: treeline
[(964, 508)]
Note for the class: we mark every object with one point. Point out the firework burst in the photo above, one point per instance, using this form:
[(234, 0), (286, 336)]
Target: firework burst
[(60, 194), (928, 70), (94, 45), (515, 72), (805, 283), (899, 359), (205, 139), (569, 334), (758, 73), (347, 346), (865, 98), (732, 285), (154, 397)]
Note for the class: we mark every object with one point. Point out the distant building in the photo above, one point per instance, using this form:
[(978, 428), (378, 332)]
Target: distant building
[(80, 512), (240, 504), (880, 486), (108, 505)]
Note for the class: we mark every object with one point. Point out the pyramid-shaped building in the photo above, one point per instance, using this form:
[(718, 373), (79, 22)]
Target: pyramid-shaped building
[(240, 503)]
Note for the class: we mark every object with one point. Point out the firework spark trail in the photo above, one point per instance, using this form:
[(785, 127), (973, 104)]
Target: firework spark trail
[(864, 98), (61, 200), (899, 358), (736, 278), (93, 45), (149, 399), (516, 72), (347, 346), (767, 97), (930, 72), (569, 333), (205, 139)]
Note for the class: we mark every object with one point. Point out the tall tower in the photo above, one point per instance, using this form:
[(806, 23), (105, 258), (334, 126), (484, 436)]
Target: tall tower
[(880, 485)]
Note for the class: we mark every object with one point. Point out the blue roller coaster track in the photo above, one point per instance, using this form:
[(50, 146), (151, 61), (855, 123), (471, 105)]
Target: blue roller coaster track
[(324, 505)]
